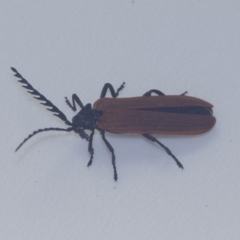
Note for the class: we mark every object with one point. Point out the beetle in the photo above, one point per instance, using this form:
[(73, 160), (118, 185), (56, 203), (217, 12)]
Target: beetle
[(145, 115)]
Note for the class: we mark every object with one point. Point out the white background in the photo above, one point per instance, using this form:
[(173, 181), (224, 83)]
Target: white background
[(66, 47)]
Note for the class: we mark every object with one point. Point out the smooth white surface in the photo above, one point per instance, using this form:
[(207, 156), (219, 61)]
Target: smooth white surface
[(66, 47)]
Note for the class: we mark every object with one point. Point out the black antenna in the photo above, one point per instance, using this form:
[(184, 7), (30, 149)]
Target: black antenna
[(42, 130), (40, 97)]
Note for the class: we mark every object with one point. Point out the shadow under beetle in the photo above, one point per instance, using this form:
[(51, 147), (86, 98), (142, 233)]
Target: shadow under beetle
[(145, 115)]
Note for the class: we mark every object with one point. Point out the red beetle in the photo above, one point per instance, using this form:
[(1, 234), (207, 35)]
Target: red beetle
[(146, 115)]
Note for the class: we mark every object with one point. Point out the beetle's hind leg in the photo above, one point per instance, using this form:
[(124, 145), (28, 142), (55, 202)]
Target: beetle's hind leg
[(183, 94), (112, 91), (153, 139), (75, 99), (90, 149), (113, 155), (149, 93)]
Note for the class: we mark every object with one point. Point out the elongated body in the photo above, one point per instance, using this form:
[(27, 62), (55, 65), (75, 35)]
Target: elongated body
[(175, 115), (145, 115)]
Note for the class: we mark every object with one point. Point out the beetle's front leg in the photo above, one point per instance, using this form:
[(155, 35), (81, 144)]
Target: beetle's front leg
[(90, 148), (75, 99), (112, 91)]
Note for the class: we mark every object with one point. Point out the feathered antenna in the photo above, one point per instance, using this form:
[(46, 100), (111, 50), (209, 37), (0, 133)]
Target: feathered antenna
[(40, 97), (42, 130)]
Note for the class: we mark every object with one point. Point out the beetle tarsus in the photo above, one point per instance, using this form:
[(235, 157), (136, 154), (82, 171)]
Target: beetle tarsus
[(90, 149), (153, 139), (120, 88), (69, 104), (183, 94), (113, 155), (75, 99), (111, 89)]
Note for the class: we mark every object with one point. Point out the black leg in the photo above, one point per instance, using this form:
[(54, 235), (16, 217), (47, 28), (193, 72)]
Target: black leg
[(110, 87), (149, 93), (113, 155), (150, 137), (183, 94), (76, 99), (90, 148)]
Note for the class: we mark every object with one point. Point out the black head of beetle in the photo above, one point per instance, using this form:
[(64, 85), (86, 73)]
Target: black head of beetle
[(85, 119)]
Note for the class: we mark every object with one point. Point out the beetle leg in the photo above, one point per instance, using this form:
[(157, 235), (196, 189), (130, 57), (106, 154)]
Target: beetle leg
[(149, 93), (90, 148), (150, 137), (183, 94), (113, 155), (76, 99), (110, 87)]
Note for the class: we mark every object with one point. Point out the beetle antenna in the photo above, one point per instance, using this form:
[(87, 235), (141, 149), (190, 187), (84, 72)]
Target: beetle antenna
[(43, 130), (37, 95)]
